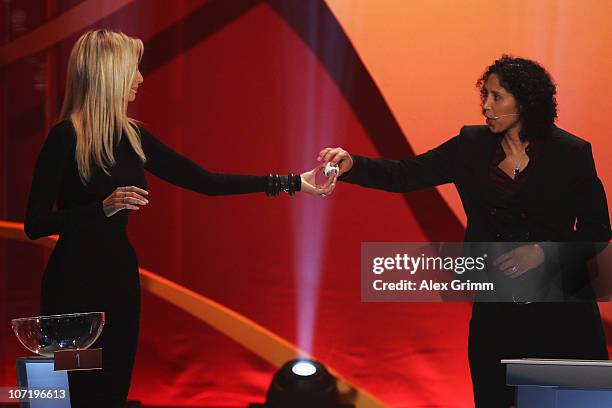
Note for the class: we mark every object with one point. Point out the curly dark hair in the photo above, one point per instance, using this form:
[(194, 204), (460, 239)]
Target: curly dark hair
[(532, 87)]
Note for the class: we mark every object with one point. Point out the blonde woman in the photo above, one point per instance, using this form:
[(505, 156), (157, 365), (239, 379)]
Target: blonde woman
[(91, 168)]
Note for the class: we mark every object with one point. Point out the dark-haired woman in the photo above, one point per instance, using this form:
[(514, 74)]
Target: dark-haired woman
[(523, 180)]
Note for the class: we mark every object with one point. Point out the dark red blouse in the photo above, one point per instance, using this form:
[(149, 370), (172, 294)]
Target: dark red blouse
[(504, 184)]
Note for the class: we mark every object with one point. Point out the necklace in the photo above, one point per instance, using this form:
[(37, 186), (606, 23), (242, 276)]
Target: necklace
[(517, 165)]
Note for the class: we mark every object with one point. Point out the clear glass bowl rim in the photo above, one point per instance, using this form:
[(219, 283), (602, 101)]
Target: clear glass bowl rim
[(49, 317)]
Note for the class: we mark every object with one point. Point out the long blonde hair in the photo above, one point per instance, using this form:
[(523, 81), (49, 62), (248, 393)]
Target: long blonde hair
[(101, 69)]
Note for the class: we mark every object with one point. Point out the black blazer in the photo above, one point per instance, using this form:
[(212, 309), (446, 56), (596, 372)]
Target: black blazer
[(562, 204)]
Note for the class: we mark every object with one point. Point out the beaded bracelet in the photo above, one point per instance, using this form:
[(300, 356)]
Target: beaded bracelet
[(279, 183)]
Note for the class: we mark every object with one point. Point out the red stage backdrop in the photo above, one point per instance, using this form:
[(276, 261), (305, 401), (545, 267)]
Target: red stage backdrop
[(258, 86)]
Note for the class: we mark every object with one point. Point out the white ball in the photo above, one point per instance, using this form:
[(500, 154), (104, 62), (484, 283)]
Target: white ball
[(329, 168)]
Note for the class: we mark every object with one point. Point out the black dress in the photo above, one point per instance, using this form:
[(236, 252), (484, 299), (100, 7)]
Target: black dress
[(561, 204), (93, 267)]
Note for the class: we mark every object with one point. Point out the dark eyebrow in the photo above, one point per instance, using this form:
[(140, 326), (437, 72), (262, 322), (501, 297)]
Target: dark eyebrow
[(493, 91)]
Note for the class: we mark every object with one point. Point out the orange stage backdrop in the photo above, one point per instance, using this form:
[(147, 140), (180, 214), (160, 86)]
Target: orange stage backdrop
[(426, 55)]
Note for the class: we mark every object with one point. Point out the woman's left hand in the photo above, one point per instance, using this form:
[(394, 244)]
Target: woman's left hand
[(520, 260), (309, 184)]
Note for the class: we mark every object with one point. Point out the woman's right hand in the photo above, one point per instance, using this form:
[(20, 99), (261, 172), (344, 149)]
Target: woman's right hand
[(336, 155), (124, 198)]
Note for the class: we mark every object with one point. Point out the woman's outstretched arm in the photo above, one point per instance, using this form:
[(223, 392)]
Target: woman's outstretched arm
[(177, 169), (429, 169)]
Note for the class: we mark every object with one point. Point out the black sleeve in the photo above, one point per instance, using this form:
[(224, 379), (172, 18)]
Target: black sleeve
[(176, 169), (41, 219), (429, 169), (592, 231)]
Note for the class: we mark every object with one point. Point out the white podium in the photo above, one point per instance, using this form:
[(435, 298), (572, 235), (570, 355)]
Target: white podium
[(545, 383)]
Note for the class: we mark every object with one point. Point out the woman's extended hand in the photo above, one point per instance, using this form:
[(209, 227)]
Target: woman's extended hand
[(124, 198), (336, 155), (309, 183), (520, 260)]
